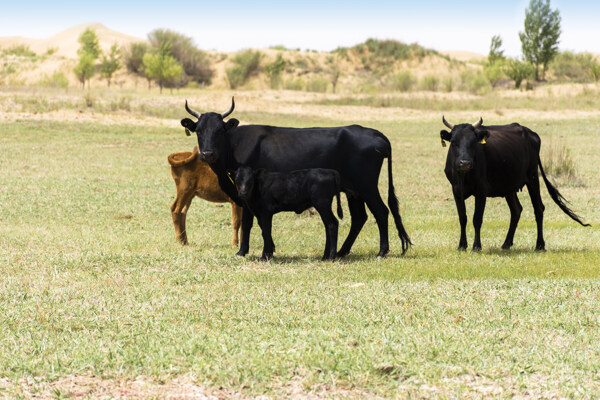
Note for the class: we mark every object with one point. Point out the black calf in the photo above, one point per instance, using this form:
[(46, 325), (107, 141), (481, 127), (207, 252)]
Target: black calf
[(267, 193)]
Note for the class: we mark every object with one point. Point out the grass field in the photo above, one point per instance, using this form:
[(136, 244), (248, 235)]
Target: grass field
[(94, 285)]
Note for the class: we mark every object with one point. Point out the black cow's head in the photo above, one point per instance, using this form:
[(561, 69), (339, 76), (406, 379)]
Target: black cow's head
[(243, 178), (211, 130), (464, 139)]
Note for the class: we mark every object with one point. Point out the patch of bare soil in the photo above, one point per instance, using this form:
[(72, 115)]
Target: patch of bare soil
[(88, 386)]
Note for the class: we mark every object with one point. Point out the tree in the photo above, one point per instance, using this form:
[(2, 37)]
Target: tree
[(89, 44), (494, 73), (495, 52), (161, 67), (195, 62), (111, 63), (134, 57), (539, 41), (518, 71), (274, 71), (85, 69)]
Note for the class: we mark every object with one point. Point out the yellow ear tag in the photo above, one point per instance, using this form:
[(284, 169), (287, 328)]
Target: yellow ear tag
[(443, 143), (230, 178), (482, 141), (187, 132)]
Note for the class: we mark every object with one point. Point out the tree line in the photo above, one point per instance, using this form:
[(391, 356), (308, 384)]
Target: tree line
[(169, 59)]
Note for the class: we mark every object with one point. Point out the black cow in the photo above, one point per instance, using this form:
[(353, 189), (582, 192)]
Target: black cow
[(267, 193), (497, 161), (357, 154)]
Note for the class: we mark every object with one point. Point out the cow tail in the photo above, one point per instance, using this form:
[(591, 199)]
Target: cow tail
[(393, 204), (558, 198), (340, 212), (338, 183)]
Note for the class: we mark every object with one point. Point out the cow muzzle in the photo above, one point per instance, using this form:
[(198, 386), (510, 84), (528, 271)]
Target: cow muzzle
[(464, 165), (208, 156)]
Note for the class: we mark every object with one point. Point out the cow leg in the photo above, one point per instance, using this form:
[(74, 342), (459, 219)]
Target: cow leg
[(380, 212), (515, 213), (247, 221), (179, 209), (236, 221), (266, 224), (538, 208), (462, 219), (480, 200), (331, 230), (358, 213)]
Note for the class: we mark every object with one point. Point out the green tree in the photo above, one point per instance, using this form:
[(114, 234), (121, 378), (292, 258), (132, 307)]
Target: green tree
[(518, 71), (494, 73), (161, 67), (85, 69), (133, 57), (274, 71), (111, 63), (539, 41), (195, 62), (495, 52), (89, 44), (245, 64)]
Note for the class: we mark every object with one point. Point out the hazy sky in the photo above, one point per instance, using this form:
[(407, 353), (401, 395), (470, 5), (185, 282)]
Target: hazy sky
[(310, 24)]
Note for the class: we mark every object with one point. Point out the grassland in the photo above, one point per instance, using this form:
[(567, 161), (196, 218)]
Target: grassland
[(93, 283)]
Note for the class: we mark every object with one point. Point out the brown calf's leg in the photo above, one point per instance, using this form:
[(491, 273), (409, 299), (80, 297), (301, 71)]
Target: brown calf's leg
[(236, 222), (179, 210)]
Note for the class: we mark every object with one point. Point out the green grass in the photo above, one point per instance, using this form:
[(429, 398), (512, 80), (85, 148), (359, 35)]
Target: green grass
[(86, 289)]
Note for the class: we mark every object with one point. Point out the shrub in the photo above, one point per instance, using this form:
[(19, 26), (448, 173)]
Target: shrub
[(274, 71), (294, 84), (56, 80), (473, 81), (494, 72), (448, 84), (568, 66), (21, 50), (317, 84), (518, 71), (558, 163), (429, 82), (246, 63), (403, 81)]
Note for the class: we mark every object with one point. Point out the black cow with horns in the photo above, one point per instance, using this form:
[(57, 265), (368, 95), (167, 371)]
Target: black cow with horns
[(357, 153), (497, 161)]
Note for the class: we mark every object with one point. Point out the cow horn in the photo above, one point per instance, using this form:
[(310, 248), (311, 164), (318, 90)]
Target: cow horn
[(226, 113), (478, 123), (448, 124), (192, 112)]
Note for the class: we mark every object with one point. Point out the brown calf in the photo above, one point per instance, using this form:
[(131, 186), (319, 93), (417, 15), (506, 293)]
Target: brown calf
[(195, 178)]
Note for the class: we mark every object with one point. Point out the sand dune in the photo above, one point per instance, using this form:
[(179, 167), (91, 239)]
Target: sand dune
[(65, 42)]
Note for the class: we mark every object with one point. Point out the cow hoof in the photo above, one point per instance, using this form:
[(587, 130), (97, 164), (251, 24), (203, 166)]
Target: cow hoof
[(540, 248), (266, 257), (462, 248), (342, 254), (241, 253), (506, 246), (476, 249)]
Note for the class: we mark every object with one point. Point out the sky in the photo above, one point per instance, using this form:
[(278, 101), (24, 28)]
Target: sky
[(311, 24)]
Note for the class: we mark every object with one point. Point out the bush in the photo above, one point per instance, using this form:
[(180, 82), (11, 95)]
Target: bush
[(429, 82), (246, 63), (473, 81), (558, 163), (274, 71), (403, 81), (56, 80), (568, 66), (21, 50), (448, 84), (317, 85), (494, 73), (294, 84), (518, 71)]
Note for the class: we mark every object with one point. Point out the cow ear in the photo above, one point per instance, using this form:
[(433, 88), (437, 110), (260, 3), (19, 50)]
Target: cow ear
[(231, 124), (445, 135), (189, 125), (481, 135), (259, 172)]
